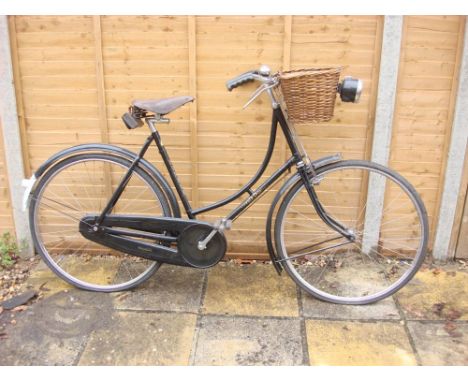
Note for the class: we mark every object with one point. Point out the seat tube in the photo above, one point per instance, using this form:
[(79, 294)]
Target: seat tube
[(171, 170)]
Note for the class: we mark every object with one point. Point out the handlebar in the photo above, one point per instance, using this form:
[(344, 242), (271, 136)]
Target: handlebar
[(262, 75), (241, 79)]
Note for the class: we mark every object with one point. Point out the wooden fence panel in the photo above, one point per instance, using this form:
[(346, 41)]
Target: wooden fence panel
[(232, 141), (56, 59), (425, 101), (76, 76), (147, 57)]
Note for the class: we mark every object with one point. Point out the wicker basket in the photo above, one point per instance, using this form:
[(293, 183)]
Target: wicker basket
[(309, 94)]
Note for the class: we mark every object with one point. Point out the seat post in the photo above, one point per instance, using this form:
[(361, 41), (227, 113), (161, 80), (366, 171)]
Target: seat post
[(157, 118)]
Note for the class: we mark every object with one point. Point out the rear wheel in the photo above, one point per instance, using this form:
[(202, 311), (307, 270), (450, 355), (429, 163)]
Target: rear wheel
[(390, 233), (82, 185)]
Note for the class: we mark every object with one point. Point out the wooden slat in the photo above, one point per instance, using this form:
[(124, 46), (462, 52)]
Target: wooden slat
[(286, 66), (101, 92), (101, 95), (18, 93), (455, 73), (192, 59)]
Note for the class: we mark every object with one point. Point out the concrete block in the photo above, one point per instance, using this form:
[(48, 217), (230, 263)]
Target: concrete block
[(254, 290), (348, 343), (249, 341)]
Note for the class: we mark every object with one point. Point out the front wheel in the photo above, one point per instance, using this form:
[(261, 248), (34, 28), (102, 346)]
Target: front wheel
[(387, 222)]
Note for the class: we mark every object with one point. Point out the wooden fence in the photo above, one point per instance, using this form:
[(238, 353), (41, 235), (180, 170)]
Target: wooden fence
[(6, 216), (75, 76)]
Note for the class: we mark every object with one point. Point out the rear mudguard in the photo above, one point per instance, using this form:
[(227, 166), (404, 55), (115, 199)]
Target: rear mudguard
[(317, 164), (152, 171)]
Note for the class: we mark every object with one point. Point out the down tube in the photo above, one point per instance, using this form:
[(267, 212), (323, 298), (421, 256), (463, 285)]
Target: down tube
[(261, 189)]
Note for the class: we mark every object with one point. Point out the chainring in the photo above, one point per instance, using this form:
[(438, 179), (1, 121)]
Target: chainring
[(187, 245)]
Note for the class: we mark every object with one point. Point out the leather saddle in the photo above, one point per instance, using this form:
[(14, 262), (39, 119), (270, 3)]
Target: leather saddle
[(162, 106)]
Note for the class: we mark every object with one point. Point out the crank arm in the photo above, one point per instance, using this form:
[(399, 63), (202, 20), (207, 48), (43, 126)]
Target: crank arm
[(219, 226)]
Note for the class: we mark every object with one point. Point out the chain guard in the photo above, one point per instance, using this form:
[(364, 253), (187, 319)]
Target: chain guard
[(187, 245)]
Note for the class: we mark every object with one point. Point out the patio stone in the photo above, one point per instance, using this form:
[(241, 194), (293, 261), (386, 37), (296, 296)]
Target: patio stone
[(254, 290), (439, 343), (436, 294), (140, 338), (54, 330), (171, 288), (383, 309), (248, 341), (351, 343), (94, 270), (43, 279)]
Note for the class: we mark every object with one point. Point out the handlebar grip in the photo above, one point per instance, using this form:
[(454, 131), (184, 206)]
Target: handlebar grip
[(240, 80)]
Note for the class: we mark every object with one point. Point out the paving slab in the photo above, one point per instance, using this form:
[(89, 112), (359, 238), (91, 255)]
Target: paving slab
[(349, 343), (441, 343), (435, 294), (248, 341), (354, 276), (94, 270), (44, 280), (252, 290), (314, 308), (54, 330), (140, 338), (171, 288)]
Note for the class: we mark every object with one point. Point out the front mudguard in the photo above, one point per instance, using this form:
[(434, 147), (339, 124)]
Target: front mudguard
[(152, 171)]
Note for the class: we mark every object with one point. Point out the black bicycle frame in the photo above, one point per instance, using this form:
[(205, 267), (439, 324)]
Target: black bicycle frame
[(297, 158)]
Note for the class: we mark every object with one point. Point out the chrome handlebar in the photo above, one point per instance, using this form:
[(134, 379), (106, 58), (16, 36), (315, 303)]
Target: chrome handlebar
[(261, 75)]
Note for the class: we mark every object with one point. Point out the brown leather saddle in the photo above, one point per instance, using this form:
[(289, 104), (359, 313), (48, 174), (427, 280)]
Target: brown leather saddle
[(162, 106)]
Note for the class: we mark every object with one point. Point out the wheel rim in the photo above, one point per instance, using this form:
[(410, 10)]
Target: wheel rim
[(83, 187), (356, 272)]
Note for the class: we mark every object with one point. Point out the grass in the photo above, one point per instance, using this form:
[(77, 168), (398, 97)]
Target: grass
[(9, 250)]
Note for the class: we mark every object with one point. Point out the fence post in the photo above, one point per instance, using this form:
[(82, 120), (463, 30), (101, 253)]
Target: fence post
[(455, 161), (386, 94), (12, 139)]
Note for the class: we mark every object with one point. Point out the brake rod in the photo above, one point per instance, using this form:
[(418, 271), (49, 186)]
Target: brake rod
[(143, 235), (317, 250)]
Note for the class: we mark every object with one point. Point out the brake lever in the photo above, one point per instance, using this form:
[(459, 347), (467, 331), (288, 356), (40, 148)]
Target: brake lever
[(254, 95), (259, 91)]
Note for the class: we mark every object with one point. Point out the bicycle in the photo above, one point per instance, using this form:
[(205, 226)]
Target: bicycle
[(99, 208)]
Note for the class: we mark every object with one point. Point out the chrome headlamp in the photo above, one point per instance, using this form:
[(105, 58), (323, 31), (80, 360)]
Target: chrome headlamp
[(350, 89)]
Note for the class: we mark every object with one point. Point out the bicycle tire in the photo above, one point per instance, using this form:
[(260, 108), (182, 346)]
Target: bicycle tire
[(331, 288)]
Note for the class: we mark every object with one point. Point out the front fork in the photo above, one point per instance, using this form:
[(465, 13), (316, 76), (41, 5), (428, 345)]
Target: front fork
[(309, 179)]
